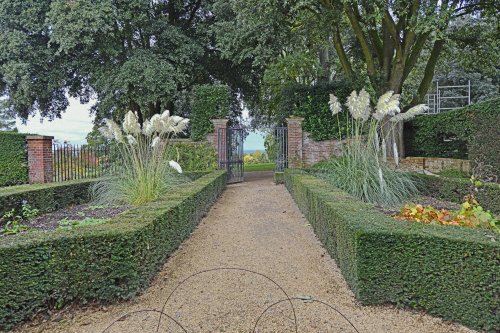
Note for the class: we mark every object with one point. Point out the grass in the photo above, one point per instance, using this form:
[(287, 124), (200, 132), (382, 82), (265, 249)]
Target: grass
[(259, 167)]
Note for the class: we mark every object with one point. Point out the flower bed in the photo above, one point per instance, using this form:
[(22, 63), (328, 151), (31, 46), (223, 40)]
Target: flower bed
[(448, 271), (103, 262)]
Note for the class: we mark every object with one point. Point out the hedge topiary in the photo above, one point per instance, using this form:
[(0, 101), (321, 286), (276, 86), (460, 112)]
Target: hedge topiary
[(194, 156), (451, 272), (470, 133), (311, 103), (455, 189), (13, 159), (209, 102), (104, 262)]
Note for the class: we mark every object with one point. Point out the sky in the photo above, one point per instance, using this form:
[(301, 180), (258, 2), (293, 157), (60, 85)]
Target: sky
[(76, 123)]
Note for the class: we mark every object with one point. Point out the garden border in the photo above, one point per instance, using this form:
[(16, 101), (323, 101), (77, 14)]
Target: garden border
[(451, 272), (103, 263)]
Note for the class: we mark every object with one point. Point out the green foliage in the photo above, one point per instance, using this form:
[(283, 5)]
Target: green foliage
[(12, 220), (66, 224), (13, 159), (209, 102), (454, 173), (311, 103), (194, 156), (468, 133), (404, 263), (455, 189), (259, 167), (45, 197), (104, 262)]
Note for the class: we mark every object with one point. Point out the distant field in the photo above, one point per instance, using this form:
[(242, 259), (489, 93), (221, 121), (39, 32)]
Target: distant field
[(259, 167)]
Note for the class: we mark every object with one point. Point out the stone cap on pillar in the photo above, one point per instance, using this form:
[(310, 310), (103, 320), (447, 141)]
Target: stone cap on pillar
[(220, 122), (39, 137)]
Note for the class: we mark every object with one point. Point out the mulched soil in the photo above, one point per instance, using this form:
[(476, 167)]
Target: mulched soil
[(50, 221), (424, 201)]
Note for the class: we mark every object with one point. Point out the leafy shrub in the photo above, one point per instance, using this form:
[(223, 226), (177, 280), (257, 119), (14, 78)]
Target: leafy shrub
[(209, 102), (311, 103), (470, 133), (451, 272), (194, 156), (104, 262), (454, 173), (13, 159), (12, 220)]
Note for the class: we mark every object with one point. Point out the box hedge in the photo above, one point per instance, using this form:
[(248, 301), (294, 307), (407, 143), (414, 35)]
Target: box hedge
[(455, 189), (104, 262), (470, 133), (46, 197), (13, 159), (451, 272)]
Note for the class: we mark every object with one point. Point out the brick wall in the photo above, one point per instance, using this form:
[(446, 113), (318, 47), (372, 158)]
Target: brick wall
[(432, 164), (39, 158), (316, 151)]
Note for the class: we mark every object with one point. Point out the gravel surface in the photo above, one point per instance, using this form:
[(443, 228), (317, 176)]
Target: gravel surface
[(255, 226)]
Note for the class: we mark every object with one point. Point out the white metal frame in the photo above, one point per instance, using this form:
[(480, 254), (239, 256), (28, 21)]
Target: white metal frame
[(434, 101)]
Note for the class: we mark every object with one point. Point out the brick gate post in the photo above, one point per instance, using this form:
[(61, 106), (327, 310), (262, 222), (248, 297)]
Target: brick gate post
[(40, 158), (219, 125), (295, 142)]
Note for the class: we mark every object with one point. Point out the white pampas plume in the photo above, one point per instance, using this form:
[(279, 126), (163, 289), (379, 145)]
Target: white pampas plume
[(165, 114), (176, 166), (376, 139), (131, 124), (147, 128), (387, 105), (181, 126), (131, 140), (334, 105), (114, 129), (359, 105), (410, 114), (157, 123), (106, 132), (155, 142), (396, 155)]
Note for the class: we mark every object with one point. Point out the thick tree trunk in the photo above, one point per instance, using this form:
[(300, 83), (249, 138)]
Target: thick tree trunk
[(324, 60)]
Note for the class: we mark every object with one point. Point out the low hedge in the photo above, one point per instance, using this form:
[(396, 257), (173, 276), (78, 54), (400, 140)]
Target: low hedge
[(13, 159), (455, 189), (451, 272), (46, 197), (104, 262)]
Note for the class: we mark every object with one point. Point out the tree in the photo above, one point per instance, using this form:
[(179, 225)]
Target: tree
[(128, 55), (7, 120)]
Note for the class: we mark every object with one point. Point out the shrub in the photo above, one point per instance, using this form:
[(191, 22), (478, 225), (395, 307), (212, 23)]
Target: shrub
[(470, 133), (209, 102), (451, 272), (104, 262), (194, 156), (46, 197), (13, 159), (455, 189)]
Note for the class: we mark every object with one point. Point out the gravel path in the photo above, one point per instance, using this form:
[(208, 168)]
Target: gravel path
[(255, 226)]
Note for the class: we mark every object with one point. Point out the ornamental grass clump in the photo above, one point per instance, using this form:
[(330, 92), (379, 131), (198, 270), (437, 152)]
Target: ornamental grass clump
[(143, 170), (361, 169)]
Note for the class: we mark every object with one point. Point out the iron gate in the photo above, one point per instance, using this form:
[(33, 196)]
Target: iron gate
[(280, 148), (230, 148)]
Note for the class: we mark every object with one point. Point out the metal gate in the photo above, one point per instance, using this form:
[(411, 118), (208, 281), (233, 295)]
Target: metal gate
[(280, 148), (230, 149)]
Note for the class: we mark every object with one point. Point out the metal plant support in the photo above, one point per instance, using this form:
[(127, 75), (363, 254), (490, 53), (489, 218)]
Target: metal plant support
[(448, 98)]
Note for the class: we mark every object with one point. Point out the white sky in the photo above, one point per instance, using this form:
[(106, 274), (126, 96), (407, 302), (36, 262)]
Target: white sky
[(76, 123)]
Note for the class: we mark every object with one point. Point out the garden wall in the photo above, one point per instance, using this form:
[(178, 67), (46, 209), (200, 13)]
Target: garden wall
[(13, 159), (433, 164), (104, 262), (451, 272)]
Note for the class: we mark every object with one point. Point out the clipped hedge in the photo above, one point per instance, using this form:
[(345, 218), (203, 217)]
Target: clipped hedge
[(13, 159), (455, 189), (470, 133), (209, 102), (46, 197), (104, 262), (194, 156), (451, 272)]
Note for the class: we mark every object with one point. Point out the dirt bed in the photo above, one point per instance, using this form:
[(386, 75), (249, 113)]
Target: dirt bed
[(254, 251)]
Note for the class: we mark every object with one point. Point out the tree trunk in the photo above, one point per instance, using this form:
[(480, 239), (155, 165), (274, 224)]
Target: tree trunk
[(324, 60)]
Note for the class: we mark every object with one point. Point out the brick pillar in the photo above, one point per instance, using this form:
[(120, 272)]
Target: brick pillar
[(295, 142), (219, 125), (40, 158)]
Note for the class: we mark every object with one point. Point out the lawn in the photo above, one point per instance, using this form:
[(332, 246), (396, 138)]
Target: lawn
[(259, 167)]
